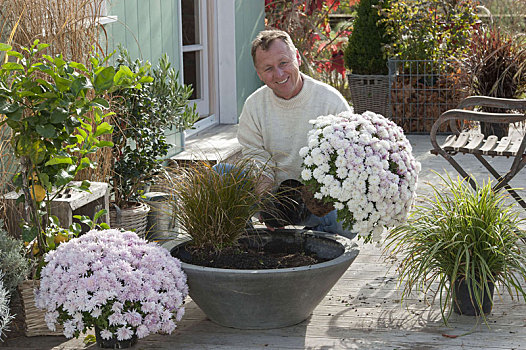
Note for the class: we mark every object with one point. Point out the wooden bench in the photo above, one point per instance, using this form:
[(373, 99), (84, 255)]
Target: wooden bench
[(472, 142)]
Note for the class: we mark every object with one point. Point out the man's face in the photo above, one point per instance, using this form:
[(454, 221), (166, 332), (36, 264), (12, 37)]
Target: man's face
[(278, 68)]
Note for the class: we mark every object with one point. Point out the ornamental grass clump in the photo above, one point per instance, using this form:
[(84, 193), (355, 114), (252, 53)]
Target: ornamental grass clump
[(114, 281), (363, 164), (213, 207), (460, 233)]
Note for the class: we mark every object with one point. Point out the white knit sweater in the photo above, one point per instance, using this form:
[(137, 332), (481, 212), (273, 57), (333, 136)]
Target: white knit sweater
[(272, 130)]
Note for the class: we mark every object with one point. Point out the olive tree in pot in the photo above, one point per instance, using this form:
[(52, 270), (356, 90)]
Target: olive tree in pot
[(249, 290), (460, 245), (141, 119), (365, 57)]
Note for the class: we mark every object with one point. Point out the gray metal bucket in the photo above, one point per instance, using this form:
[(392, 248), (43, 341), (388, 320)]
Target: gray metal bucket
[(161, 221)]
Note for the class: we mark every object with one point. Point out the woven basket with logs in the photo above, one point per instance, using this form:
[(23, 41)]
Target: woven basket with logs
[(133, 218), (417, 102), (34, 317)]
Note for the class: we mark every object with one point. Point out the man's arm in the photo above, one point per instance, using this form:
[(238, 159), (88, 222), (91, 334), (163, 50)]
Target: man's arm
[(250, 136)]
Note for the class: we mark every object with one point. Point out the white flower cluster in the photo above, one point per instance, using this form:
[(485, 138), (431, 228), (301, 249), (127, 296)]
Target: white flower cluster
[(364, 165), (114, 280)]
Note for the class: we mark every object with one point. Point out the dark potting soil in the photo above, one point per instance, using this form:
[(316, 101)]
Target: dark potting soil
[(276, 254)]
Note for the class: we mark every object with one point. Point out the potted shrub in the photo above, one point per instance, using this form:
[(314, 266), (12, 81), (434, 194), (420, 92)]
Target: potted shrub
[(495, 66), (255, 277), (366, 59), (114, 281), (459, 246), (55, 109), (142, 116)]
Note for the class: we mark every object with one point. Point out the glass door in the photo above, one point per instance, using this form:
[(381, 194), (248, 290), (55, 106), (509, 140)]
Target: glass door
[(195, 52)]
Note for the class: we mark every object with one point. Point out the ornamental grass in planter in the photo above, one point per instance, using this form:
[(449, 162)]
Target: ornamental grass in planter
[(495, 66), (461, 236), (260, 278)]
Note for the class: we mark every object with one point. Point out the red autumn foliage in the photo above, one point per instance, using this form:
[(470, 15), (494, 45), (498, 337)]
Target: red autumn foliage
[(307, 22)]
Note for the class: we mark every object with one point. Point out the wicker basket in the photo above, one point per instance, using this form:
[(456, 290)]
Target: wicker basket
[(34, 317), (133, 218), (369, 93)]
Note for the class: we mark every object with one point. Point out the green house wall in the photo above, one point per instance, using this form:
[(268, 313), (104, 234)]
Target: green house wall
[(146, 28), (149, 28), (250, 20)]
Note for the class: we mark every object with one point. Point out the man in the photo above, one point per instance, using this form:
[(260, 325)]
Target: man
[(274, 123)]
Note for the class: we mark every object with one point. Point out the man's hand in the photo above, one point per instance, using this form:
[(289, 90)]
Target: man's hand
[(263, 187)]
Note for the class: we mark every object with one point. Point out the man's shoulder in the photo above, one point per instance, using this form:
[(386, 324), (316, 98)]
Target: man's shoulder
[(324, 90), (257, 95), (321, 86)]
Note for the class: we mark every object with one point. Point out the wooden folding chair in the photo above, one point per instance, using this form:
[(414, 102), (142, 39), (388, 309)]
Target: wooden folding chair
[(471, 142)]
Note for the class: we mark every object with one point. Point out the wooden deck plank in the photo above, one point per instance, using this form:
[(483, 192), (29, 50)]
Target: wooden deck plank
[(362, 311)]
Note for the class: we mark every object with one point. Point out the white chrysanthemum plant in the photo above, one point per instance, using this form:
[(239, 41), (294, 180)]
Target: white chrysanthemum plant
[(363, 164), (115, 281)]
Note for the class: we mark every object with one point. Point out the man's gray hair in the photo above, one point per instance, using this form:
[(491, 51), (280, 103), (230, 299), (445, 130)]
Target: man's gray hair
[(266, 37)]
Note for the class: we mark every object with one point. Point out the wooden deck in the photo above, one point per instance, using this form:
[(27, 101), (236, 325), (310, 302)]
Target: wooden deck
[(362, 311)]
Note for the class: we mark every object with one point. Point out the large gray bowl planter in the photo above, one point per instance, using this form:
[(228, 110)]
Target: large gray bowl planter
[(262, 299)]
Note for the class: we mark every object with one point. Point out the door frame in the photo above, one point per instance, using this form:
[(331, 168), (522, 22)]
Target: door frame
[(222, 63)]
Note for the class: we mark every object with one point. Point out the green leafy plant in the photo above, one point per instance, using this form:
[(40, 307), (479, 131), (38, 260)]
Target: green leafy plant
[(365, 53), (460, 233), (141, 119), (213, 208), (55, 109), (13, 260), (429, 29)]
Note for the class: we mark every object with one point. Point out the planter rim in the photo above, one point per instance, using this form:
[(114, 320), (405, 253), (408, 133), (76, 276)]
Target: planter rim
[(350, 251)]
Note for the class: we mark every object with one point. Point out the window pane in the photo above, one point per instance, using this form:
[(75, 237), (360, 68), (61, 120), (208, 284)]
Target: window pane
[(190, 11), (192, 72)]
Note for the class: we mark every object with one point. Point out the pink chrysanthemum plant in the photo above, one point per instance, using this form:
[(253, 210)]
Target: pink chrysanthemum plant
[(115, 281), (363, 165)]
